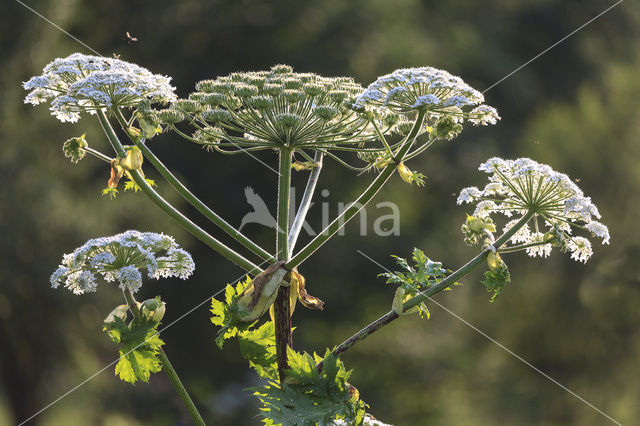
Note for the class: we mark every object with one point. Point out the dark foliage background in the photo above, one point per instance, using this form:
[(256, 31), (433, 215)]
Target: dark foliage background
[(575, 108)]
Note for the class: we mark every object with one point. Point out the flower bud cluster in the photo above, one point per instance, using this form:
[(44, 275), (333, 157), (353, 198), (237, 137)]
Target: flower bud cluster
[(275, 108), (121, 258)]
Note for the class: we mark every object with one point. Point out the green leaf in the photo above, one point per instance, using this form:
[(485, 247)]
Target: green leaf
[(139, 344), (223, 314), (309, 396), (132, 185), (259, 348), (111, 192), (495, 279), (414, 279)]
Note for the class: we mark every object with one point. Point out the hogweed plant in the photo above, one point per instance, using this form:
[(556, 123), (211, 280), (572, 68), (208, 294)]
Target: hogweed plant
[(304, 117)]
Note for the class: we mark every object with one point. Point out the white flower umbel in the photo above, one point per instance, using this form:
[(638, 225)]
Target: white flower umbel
[(81, 83), (120, 258), (430, 89), (518, 187)]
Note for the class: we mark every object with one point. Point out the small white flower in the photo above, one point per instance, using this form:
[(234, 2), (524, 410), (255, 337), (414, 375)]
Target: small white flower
[(426, 100), (599, 230), (543, 250), (468, 195), (81, 282), (483, 115), (130, 278), (522, 235), (484, 208), (580, 249)]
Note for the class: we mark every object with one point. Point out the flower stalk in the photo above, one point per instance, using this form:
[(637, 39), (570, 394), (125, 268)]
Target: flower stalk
[(281, 306), (361, 201), (168, 368)]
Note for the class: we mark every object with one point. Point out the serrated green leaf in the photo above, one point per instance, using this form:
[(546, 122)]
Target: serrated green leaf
[(139, 344), (222, 314)]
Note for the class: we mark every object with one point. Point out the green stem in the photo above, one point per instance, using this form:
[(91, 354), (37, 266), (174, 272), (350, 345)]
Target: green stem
[(168, 368), (521, 247), (201, 207), (97, 154), (426, 294), (360, 202), (281, 307), (165, 206), (193, 200)]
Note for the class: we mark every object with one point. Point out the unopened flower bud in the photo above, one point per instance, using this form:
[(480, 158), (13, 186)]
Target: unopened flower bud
[(494, 260), (189, 106), (133, 160), (325, 112), (292, 96), (288, 120), (306, 165), (313, 89), (281, 69), (170, 116), (74, 148), (409, 176), (338, 96), (153, 309), (217, 115), (258, 297), (447, 128), (243, 90), (404, 172), (120, 311), (148, 125)]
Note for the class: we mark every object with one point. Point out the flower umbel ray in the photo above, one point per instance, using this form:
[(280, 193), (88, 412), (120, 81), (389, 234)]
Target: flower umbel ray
[(519, 186)]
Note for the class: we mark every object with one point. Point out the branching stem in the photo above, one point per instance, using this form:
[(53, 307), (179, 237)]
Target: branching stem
[(426, 294), (195, 201), (176, 215), (360, 202)]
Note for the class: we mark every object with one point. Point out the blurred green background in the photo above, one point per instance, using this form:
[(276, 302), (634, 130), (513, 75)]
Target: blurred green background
[(575, 108)]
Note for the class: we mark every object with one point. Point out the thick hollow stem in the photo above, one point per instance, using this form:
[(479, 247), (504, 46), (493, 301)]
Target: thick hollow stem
[(305, 203), (168, 369), (281, 308), (165, 206), (421, 297), (360, 202)]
